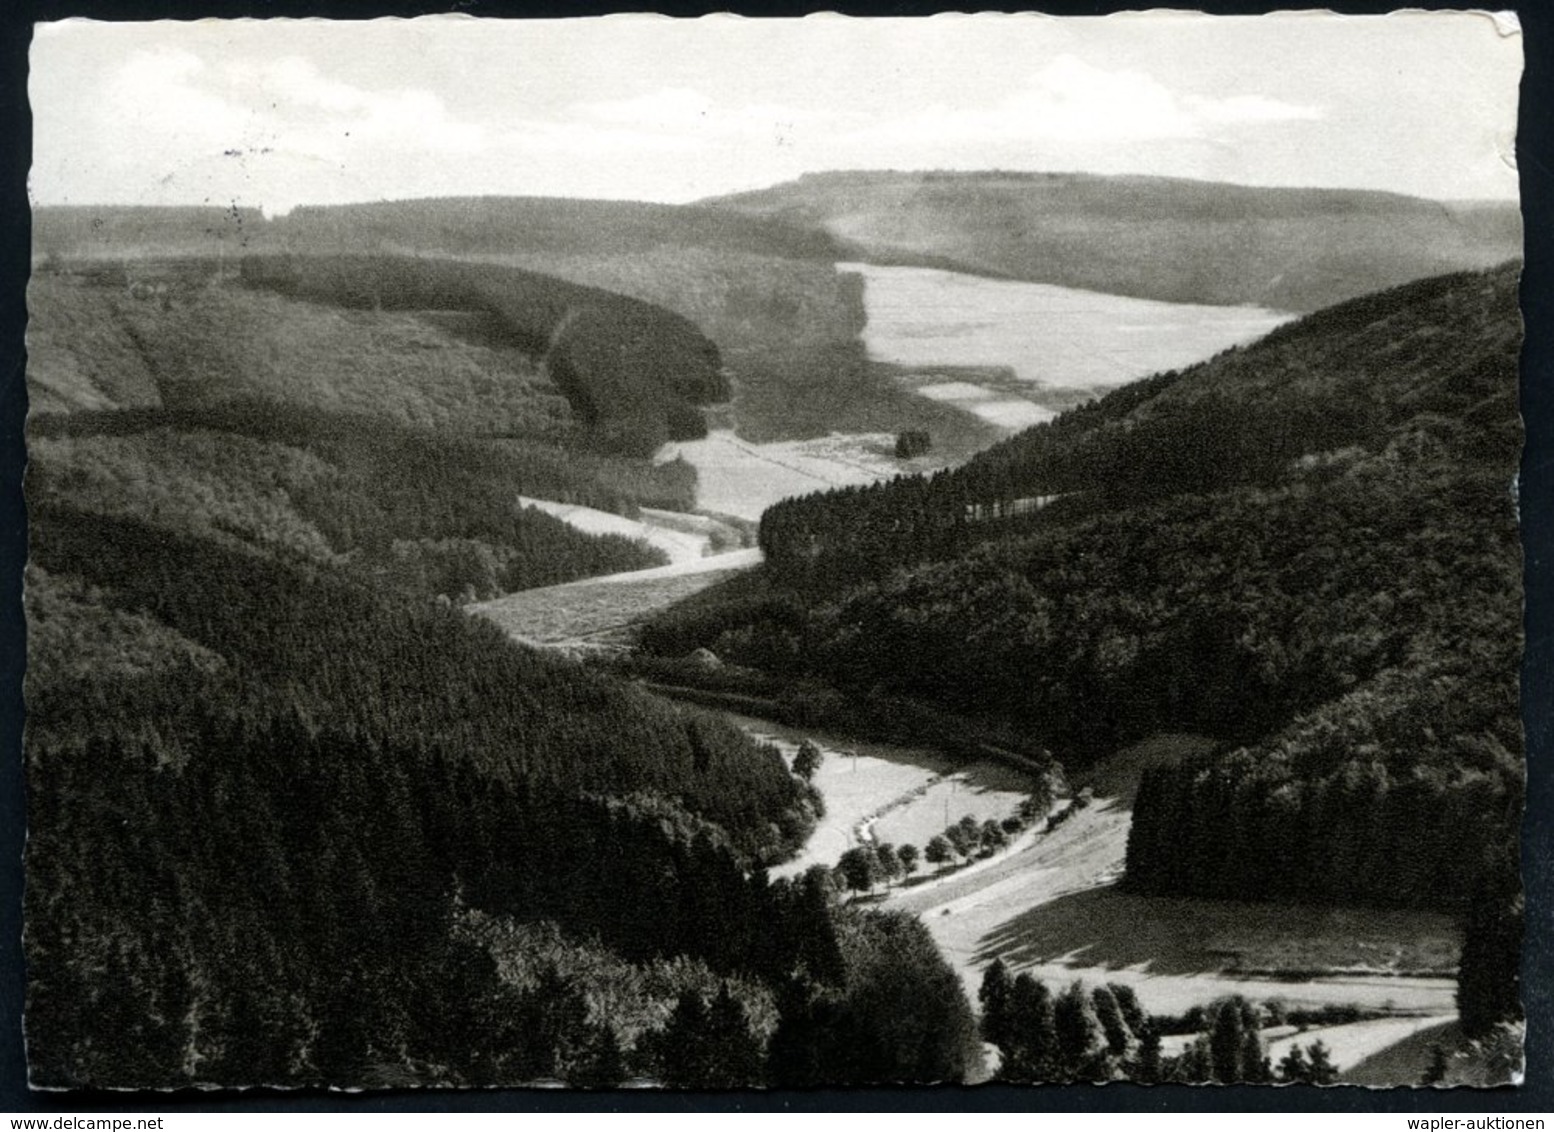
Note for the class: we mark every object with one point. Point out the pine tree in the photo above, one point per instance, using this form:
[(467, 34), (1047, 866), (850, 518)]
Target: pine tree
[(1118, 1034), (1323, 1071), (1227, 1043), (1132, 1012), (993, 997), (601, 1064), (1033, 1052), (1148, 1066), (1294, 1069), (807, 760), (1079, 1036), (733, 1054), (1435, 1073), (796, 1056), (1489, 974), (683, 1043)]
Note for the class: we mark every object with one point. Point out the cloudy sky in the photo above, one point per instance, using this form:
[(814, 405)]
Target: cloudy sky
[(277, 113)]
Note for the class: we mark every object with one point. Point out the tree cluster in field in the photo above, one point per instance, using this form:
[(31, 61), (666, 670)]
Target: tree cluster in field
[(1101, 1033), (912, 443), (632, 372), (1305, 549)]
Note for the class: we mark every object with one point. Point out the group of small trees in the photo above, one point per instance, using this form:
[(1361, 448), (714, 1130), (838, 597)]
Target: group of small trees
[(1078, 1035), (710, 1045), (966, 839), (864, 866), (1103, 1034)]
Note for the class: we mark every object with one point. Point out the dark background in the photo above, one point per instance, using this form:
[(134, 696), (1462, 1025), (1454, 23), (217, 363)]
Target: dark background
[(1535, 146)]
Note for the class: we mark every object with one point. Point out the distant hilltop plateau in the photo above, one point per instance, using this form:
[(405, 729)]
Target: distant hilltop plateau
[(1149, 237)]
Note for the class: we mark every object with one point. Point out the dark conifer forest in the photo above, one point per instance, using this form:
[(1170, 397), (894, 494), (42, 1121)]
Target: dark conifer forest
[(289, 804)]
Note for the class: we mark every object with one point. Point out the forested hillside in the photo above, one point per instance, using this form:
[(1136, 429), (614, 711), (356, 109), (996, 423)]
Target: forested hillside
[(1305, 549), (766, 292), (285, 804), (1151, 237), (389, 446)]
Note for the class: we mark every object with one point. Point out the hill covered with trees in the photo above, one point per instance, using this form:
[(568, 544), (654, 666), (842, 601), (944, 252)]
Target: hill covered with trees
[(1305, 549), (287, 809), (784, 321), (1150, 237)]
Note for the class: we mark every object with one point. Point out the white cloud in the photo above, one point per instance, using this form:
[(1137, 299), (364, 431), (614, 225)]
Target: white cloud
[(692, 114), (1070, 100), (279, 106), (677, 109), (156, 94)]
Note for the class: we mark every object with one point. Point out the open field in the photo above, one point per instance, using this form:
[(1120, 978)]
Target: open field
[(981, 791), (1055, 342), (1353, 1043), (1406, 1059), (603, 610), (682, 538), (740, 478), (1051, 906), (856, 785)]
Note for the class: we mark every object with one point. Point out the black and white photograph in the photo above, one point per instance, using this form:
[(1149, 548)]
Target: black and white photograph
[(772, 554)]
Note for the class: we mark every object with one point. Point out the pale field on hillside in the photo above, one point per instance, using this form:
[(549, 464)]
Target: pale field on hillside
[(982, 791), (1012, 354), (740, 478), (605, 610), (677, 545), (1055, 338)]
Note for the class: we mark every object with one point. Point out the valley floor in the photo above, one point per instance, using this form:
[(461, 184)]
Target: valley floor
[(884, 792), (1051, 905)]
